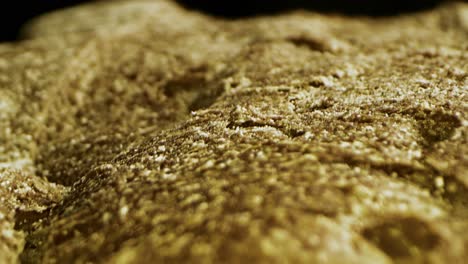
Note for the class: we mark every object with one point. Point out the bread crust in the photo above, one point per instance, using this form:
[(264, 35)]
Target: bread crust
[(138, 131)]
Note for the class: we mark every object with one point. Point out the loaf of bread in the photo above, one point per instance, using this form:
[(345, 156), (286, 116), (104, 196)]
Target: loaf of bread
[(141, 132)]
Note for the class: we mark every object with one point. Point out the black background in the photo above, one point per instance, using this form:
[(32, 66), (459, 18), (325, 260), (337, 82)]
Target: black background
[(14, 13)]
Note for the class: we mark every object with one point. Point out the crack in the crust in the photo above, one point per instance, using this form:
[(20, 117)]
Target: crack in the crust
[(403, 237), (313, 44), (433, 125), (33, 200), (436, 126), (194, 89), (288, 131), (453, 190), (26, 220)]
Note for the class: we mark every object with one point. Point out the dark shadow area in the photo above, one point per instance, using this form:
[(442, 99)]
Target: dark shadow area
[(13, 14), (245, 8)]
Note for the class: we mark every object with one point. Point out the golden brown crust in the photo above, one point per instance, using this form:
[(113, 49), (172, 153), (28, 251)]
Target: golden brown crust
[(168, 136)]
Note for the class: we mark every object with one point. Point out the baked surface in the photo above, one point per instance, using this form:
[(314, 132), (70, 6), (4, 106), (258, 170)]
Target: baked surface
[(138, 132)]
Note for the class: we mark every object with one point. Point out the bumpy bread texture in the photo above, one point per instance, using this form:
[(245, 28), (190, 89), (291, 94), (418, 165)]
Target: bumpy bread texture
[(139, 132)]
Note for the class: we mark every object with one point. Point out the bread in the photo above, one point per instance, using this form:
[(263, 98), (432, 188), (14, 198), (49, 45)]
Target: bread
[(141, 132)]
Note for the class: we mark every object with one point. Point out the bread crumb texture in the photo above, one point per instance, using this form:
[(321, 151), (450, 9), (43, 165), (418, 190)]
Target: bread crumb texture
[(141, 132)]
